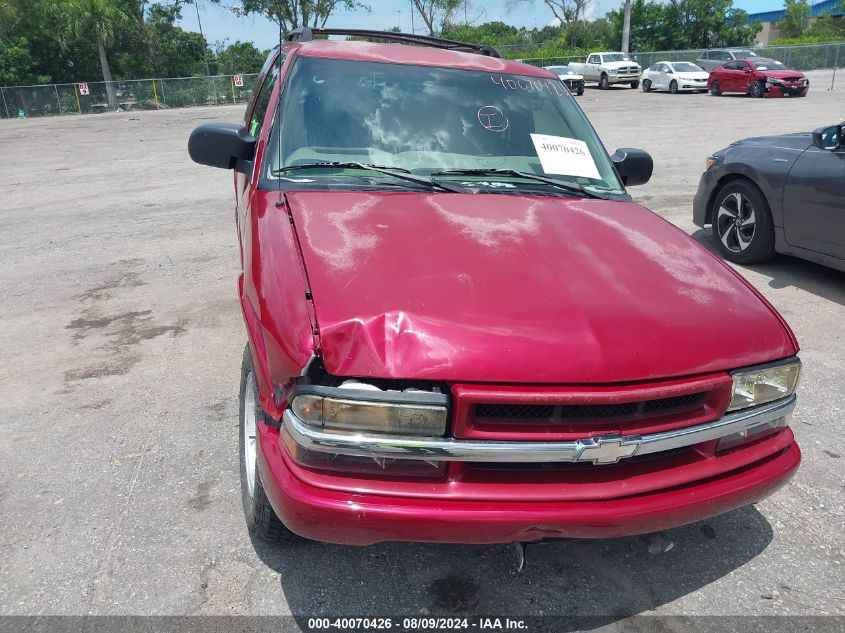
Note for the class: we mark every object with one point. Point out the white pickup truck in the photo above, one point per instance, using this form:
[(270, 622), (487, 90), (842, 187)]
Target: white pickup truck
[(609, 68)]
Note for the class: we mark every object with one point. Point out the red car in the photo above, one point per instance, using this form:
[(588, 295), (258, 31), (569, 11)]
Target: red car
[(757, 77), (461, 328)]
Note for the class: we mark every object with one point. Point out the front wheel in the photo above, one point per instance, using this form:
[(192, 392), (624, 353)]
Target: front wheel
[(757, 89), (646, 85), (604, 82), (715, 90), (635, 84), (742, 223), (579, 90), (261, 519), (673, 87)]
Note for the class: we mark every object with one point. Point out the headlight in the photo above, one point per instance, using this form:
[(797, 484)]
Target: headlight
[(773, 80), (758, 386), (362, 408), (613, 72)]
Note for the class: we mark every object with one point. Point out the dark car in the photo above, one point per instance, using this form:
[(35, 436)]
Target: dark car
[(758, 77), (783, 194), (708, 60)]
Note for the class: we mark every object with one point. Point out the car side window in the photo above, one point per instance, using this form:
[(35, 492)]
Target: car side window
[(665, 68), (594, 59), (262, 100), (731, 66), (654, 68), (725, 56)]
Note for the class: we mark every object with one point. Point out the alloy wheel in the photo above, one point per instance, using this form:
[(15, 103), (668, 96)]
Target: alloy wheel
[(249, 430), (736, 222)]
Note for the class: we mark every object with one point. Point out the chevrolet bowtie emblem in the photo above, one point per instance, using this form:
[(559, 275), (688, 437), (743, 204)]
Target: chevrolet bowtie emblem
[(607, 449)]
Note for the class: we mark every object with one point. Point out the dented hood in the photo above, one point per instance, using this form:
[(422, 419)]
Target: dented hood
[(503, 288)]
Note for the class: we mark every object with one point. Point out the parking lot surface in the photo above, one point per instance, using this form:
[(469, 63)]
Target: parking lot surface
[(122, 340)]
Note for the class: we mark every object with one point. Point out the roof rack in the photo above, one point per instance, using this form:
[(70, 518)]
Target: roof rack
[(306, 34)]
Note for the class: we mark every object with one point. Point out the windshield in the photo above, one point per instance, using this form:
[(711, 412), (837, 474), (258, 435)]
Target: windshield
[(425, 120), (616, 57), (768, 64), (685, 67)]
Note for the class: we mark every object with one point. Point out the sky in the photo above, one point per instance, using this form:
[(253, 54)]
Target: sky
[(219, 23)]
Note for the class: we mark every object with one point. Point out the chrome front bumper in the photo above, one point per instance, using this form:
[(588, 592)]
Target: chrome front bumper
[(598, 449)]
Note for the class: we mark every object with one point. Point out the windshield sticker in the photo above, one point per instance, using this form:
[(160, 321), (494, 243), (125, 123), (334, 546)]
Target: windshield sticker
[(469, 184), (493, 119), (531, 85), (565, 156)]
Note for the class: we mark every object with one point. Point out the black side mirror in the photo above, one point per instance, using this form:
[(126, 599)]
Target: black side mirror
[(224, 145), (830, 138), (634, 166)]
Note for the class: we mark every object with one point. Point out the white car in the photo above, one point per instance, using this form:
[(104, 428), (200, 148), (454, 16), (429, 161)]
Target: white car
[(573, 80), (675, 77)]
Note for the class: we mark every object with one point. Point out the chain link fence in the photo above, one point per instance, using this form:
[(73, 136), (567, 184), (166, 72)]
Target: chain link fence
[(128, 95)]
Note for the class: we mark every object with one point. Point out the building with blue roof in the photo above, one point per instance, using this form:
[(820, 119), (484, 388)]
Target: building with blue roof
[(769, 18)]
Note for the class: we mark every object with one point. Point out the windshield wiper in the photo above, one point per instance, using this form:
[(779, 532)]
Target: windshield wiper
[(398, 173), (570, 187)]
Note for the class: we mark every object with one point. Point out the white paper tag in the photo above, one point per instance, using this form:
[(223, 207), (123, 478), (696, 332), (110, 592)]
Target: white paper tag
[(565, 156)]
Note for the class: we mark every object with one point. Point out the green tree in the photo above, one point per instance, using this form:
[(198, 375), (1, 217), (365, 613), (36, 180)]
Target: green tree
[(437, 14), (240, 57), (796, 18), (292, 14), (96, 19)]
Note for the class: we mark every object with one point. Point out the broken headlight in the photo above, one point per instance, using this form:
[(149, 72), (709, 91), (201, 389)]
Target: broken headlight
[(359, 408)]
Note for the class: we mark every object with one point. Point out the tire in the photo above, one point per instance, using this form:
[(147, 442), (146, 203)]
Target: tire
[(715, 90), (757, 90), (673, 87), (604, 82), (580, 89), (646, 85), (742, 223), (261, 519), (635, 84)]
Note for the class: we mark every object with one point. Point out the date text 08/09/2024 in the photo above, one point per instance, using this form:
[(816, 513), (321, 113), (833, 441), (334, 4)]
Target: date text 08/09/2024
[(417, 623)]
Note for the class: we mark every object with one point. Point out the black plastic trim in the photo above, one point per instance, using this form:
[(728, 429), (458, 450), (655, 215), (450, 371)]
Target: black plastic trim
[(791, 360), (306, 34)]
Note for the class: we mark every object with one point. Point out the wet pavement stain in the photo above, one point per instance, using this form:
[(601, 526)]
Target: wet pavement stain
[(455, 592)]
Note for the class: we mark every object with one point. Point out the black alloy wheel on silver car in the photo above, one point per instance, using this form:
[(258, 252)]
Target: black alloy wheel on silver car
[(261, 520), (742, 223), (673, 87), (715, 90), (757, 89), (646, 85), (604, 82)]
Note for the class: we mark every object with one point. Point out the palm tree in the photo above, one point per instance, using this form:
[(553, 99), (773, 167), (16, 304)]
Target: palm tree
[(97, 18)]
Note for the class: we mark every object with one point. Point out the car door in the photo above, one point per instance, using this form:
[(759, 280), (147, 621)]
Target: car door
[(744, 76), (255, 121), (592, 66), (704, 62), (814, 202), (660, 76), (731, 77)]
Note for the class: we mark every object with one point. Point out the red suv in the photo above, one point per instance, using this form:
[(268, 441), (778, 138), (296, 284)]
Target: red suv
[(758, 77), (462, 329)]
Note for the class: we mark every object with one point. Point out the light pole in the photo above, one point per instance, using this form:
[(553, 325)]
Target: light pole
[(412, 17), (399, 20), (204, 47)]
